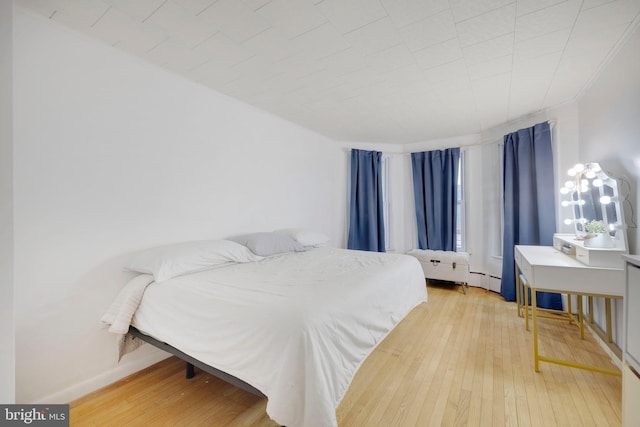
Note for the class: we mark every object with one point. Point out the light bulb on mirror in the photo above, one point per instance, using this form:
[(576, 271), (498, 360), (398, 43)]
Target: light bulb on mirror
[(605, 200), (568, 221), (564, 190), (598, 182), (590, 174), (571, 172), (565, 203), (579, 167), (569, 184)]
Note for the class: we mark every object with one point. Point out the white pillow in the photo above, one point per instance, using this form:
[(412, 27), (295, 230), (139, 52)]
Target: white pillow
[(306, 237), (267, 244), (165, 262)]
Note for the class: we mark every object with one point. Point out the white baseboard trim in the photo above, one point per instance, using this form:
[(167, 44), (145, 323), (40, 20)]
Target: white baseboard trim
[(104, 379), (487, 281)]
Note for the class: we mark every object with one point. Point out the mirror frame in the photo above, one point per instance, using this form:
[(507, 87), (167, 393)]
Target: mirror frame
[(592, 196)]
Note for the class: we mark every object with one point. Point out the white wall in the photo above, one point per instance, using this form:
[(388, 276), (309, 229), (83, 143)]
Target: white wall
[(610, 125), (112, 155), (610, 134), (7, 344)]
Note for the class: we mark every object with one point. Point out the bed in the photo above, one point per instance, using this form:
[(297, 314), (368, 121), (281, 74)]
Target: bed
[(294, 326)]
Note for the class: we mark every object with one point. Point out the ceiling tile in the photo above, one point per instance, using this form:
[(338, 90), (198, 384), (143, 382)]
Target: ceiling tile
[(459, 87), (588, 4), (374, 37), (223, 51), (291, 17), (429, 31), (255, 4), (607, 15), (439, 54), (539, 69), (405, 12), (301, 65), (571, 77), (257, 68), (526, 7), (492, 98), (236, 20), (466, 9), (491, 67), (596, 43), (138, 10), (45, 8), (369, 70), (489, 49), (272, 45), (530, 82), (173, 54), (119, 29), (322, 41), (178, 23), (487, 26), (81, 16), (350, 15), (195, 7), (548, 20), (345, 61), (395, 57), (542, 45), (455, 72)]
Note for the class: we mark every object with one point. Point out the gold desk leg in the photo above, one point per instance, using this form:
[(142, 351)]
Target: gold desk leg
[(580, 317), (534, 315), (590, 300), (525, 291), (607, 306), (518, 291), (569, 308)]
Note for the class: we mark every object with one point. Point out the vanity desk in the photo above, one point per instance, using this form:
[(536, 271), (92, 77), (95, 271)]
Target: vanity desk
[(568, 267), (631, 364), (587, 263)]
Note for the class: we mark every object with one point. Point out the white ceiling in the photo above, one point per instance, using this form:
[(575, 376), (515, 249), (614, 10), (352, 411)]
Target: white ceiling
[(393, 71)]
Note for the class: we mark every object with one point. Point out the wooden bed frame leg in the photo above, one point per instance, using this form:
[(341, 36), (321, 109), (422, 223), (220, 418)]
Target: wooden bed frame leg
[(191, 371)]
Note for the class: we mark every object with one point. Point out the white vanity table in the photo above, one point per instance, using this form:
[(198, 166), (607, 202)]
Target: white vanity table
[(546, 268), (588, 263)]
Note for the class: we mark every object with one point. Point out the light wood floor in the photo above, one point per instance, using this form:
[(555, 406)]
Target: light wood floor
[(457, 360)]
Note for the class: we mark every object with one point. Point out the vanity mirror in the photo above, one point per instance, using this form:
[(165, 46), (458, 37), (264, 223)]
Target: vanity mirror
[(597, 214)]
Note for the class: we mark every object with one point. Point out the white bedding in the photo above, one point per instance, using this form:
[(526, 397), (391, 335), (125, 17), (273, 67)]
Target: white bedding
[(296, 327)]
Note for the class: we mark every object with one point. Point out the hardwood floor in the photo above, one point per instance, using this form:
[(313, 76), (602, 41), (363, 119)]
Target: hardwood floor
[(457, 360)]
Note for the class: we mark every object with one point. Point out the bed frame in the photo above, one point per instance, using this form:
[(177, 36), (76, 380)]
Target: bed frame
[(193, 363)]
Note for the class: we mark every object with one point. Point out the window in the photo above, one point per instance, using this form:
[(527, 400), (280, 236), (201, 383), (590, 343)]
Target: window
[(386, 203), (460, 219)]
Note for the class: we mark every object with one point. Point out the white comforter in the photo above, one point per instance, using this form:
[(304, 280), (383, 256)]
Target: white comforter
[(296, 327)]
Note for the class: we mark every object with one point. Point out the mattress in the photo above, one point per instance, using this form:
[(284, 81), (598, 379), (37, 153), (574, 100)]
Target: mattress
[(296, 326)]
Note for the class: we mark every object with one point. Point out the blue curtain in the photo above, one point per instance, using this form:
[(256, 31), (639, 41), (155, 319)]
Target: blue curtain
[(529, 202), (366, 214), (435, 182)]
